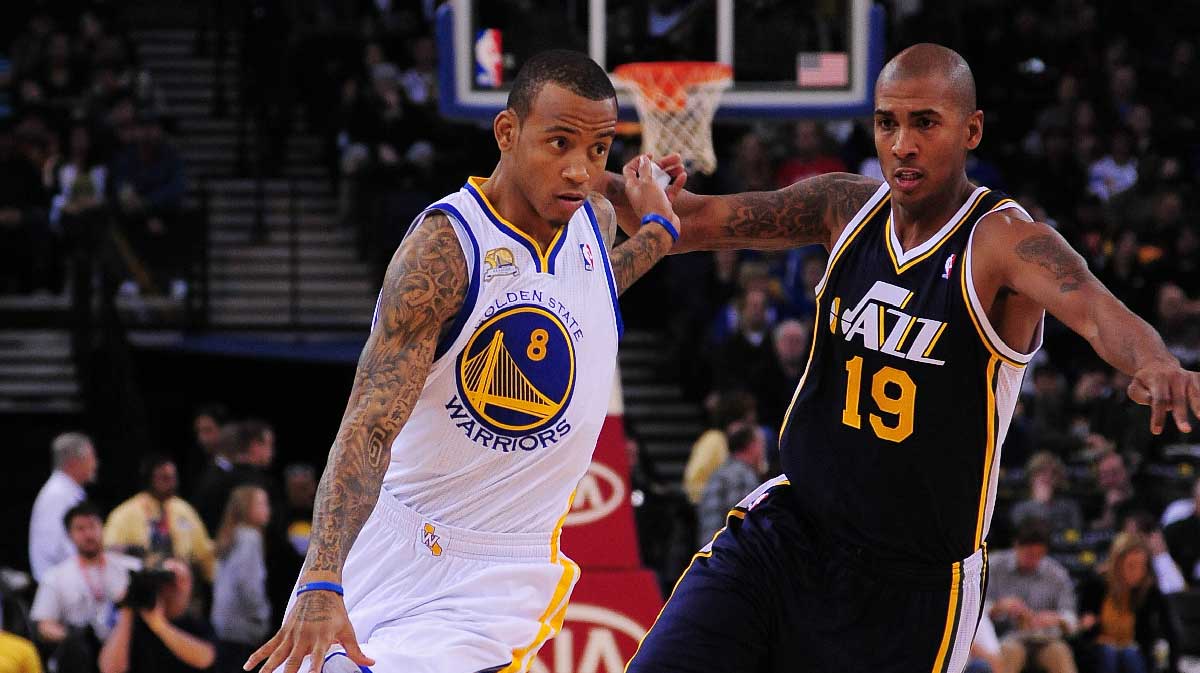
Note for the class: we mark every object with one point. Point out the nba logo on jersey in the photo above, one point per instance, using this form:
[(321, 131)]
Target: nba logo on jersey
[(949, 265), (586, 250), (489, 59)]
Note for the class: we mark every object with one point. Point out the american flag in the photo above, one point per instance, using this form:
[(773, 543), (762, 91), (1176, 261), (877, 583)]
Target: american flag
[(822, 69)]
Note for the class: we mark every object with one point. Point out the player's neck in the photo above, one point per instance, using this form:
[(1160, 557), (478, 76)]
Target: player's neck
[(506, 197), (917, 222)]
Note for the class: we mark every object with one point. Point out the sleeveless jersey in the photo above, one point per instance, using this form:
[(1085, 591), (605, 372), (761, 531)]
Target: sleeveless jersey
[(892, 440), (510, 412)]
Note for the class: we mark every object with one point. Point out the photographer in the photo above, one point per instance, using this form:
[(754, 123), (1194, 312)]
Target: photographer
[(154, 633)]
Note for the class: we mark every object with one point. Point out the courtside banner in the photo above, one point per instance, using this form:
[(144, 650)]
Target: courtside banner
[(609, 613), (599, 530)]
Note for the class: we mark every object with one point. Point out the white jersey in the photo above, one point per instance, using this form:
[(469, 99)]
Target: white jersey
[(519, 387)]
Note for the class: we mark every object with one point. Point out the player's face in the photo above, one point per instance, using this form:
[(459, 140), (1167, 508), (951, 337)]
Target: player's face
[(922, 136), (562, 148)]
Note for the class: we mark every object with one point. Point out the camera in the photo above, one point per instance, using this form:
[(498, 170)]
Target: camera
[(144, 586)]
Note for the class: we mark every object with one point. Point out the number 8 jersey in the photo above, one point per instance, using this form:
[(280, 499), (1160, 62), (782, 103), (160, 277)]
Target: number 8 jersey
[(511, 409), (892, 440)]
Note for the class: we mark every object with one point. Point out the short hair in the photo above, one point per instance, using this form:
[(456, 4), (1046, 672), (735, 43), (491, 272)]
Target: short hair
[(785, 325), (571, 70), (1032, 530), (249, 431), (741, 436), (214, 410), (732, 405), (152, 462), (928, 59), (84, 508), (68, 445)]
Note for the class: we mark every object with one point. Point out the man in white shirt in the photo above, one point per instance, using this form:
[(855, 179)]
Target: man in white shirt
[(73, 608), (74, 465)]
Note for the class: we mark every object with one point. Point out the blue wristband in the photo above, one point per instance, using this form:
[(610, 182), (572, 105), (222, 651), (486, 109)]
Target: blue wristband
[(321, 586), (664, 222)]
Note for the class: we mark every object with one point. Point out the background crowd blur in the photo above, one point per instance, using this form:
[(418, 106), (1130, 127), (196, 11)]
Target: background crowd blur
[(1092, 112)]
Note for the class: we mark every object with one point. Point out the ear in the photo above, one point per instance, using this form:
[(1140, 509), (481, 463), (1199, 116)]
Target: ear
[(506, 128), (974, 129)]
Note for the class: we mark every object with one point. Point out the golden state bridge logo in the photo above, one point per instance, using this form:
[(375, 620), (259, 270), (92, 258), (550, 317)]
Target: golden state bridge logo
[(515, 378)]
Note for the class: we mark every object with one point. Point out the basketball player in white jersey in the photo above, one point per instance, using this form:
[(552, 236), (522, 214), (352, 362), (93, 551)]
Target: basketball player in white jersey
[(478, 401)]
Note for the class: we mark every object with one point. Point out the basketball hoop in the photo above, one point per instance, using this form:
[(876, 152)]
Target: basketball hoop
[(676, 101)]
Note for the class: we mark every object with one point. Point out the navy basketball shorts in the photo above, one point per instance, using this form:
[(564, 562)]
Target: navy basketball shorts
[(770, 594)]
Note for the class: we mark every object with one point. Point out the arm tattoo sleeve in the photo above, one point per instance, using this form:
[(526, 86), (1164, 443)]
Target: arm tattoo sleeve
[(806, 212), (633, 258), (1053, 254), (424, 287)]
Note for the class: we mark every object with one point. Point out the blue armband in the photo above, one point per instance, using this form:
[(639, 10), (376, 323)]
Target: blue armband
[(321, 586), (664, 223)]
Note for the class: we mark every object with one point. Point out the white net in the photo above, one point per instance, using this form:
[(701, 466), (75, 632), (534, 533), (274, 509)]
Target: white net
[(675, 102)]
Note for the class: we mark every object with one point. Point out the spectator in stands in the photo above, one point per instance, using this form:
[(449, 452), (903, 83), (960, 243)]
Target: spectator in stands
[(75, 465), (73, 607), (211, 457), (809, 156), (79, 178), (250, 447), (1119, 500), (1183, 541), (1116, 172), (1122, 613), (300, 487), (746, 359), (1032, 603), (711, 448), (240, 609), (157, 523), (147, 183), (18, 655), (791, 344), (740, 474), (164, 638), (1046, 474)]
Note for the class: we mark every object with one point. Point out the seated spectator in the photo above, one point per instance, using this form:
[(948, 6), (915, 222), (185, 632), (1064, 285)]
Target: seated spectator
[(1115, 172), (985, 649), (240, 609), (740, 474), (75, 464), (300, 487), (1122, 613), (1119, 500), (18, 655), (746, 359), (79, 178), (791, 345), (159, 635), (1183, 541), (158, 522), (73, 607), (809, 157), (1032, 603), (147, 183), (1046, 474), (711, 448)]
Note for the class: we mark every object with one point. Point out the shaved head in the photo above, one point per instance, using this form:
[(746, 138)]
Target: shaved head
[(933, 60)]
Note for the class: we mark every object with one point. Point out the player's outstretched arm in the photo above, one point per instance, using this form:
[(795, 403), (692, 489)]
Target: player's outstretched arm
[(811, 211), (645, 247), (1034, 260), (423, 289)]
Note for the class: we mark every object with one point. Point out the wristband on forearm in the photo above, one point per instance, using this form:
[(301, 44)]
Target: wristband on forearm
[(320, 586), (664, 223)]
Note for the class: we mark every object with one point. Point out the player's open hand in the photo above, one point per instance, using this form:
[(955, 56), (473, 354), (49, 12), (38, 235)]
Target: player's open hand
[(644, 194), (317, 621), (1167, 387)]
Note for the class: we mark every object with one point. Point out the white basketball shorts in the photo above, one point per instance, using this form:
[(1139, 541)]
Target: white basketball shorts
[(425, 597)]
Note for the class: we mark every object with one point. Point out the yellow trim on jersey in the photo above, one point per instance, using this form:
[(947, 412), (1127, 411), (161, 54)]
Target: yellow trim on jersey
[(975, 319), (934, 340), (825, 284), (991, 449), (551, 618), (889, 227), (951, 616), (543, 256)]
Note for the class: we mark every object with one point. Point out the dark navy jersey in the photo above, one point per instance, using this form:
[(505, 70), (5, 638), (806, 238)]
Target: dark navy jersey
[(892, 440)]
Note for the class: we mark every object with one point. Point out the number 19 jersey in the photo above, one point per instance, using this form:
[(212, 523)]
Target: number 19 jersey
[(892, 440)]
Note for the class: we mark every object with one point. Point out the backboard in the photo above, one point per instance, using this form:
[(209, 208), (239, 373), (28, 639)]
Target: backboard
[(791, 58)]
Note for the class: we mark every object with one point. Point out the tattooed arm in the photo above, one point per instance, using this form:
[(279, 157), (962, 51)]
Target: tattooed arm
[(633, 258), (811, 211), (1033, 260), (423, 289)]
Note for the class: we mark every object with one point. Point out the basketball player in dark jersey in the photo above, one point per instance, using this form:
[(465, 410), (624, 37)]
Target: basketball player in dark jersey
[(869, 553)]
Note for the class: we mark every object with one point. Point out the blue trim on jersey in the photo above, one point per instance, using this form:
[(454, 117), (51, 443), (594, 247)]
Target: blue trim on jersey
[(519, 236), (361, 668), (608, 272), (468, 305)]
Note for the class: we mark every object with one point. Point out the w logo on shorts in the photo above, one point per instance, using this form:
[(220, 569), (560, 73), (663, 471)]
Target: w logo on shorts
[(430, 540)]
